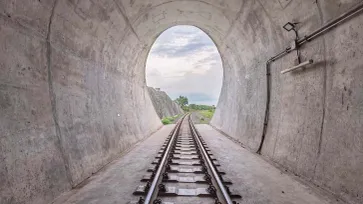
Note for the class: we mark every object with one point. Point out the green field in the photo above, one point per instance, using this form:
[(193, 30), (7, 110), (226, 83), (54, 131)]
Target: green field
[(207, 113), (202, 116)]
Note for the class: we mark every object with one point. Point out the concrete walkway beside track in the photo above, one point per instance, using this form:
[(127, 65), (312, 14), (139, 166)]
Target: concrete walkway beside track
[(256, 180), (117, 181)]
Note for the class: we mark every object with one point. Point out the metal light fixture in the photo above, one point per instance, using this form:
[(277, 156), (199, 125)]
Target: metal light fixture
[(289, 26), (295, 46), (301, 65)]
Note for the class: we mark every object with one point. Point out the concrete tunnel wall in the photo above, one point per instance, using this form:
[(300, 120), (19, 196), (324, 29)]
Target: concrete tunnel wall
[(73, 93)]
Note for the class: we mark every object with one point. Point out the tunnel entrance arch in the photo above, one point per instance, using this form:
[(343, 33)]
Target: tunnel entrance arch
[(184, 61), (225, 26)]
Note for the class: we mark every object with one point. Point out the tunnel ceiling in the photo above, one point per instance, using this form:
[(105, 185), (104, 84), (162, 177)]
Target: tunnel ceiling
[(150, 18)]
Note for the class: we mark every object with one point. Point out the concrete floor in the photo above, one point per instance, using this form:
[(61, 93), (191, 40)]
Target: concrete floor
[(254, 178), (117, 181)]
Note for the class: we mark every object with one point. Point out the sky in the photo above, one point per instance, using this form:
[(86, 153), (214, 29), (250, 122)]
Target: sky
[(185, 61)]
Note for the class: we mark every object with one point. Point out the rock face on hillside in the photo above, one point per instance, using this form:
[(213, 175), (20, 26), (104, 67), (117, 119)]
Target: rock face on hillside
[(163, 104)]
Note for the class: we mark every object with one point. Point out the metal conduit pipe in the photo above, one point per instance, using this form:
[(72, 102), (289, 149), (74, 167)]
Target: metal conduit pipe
[(331, 24), (324, 29)]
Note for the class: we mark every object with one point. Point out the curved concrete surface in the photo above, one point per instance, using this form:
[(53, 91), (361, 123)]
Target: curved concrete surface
[(73, 93)]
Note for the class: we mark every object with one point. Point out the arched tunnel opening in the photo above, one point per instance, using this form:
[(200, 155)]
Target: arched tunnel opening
[(184, 63), (74, 100)]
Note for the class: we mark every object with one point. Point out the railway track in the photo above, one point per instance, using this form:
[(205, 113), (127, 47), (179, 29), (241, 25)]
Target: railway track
[(185, 171)]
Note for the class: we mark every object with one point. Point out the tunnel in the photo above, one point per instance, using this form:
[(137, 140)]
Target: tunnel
[(73, 94)]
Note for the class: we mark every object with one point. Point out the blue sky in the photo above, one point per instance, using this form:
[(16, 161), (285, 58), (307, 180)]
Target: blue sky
[(185, 61)]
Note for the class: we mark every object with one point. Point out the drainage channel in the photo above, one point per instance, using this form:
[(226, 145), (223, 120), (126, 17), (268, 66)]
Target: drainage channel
[(185, 171)]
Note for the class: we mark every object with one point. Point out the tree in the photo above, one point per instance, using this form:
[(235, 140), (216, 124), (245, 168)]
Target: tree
[(182, 101), (193, 106)]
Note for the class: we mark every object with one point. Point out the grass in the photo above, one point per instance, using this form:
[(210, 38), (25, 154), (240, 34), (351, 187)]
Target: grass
[(166, 121), (208, 114), (169, 120), (203, 116)]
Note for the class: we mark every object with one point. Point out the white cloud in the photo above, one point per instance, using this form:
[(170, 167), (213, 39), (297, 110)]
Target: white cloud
[(185, 61)]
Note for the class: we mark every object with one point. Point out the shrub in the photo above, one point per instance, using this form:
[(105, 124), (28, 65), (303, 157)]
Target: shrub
[(165, 121)]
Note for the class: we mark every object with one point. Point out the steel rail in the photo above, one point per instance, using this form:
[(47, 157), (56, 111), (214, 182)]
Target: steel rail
[(196, 135), (149, 196)]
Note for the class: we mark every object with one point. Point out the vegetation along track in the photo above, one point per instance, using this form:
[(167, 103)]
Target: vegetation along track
[(185, 171)]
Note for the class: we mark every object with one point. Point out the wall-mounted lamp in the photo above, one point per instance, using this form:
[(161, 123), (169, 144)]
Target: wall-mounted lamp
[(294, 46), (298, 66), (289, 26)]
